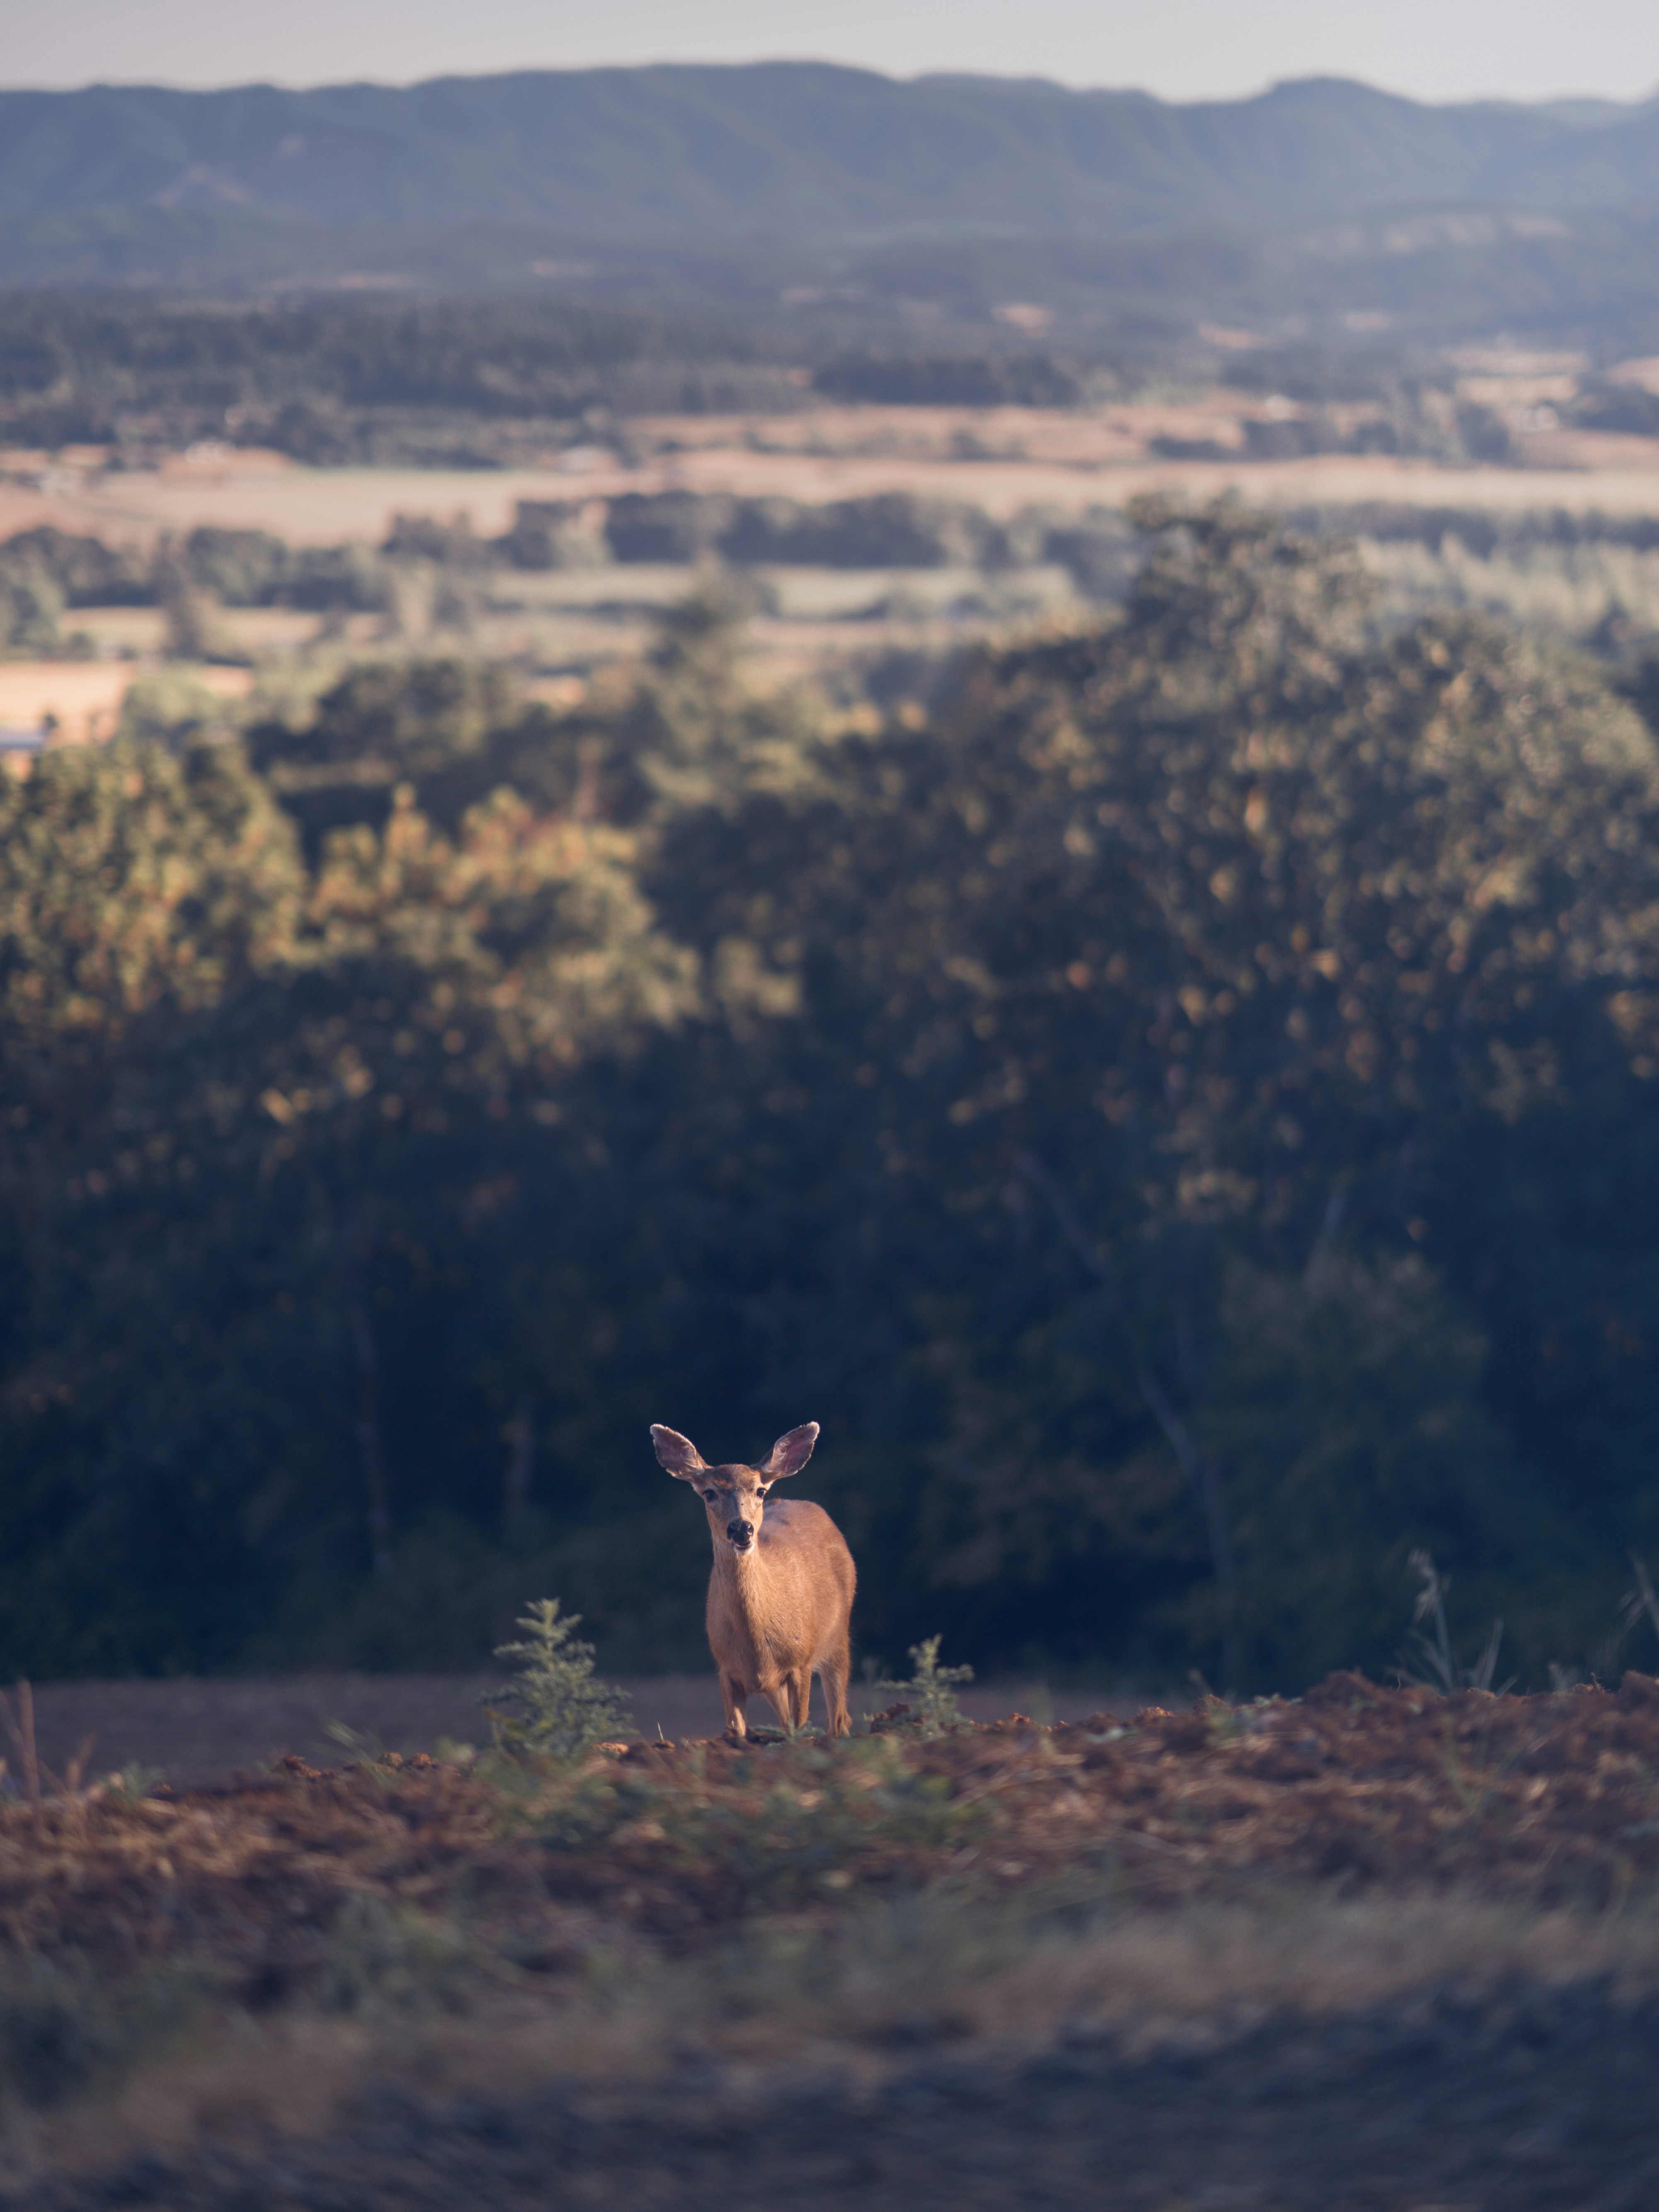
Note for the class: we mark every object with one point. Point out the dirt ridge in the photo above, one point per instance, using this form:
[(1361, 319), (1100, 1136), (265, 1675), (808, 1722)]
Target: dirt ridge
[(1551, 1799)]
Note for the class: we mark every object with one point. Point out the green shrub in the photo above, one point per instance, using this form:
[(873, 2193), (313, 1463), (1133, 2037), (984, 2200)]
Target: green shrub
[(562, 1708), (780, 1832), (831, 1815), (931, 1691)]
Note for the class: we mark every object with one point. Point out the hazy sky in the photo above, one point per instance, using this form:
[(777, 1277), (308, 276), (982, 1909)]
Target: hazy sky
[(1181, 49)]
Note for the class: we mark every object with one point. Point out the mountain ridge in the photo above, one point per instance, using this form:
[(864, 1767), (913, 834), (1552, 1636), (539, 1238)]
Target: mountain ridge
[(809, 190), (804, 149)]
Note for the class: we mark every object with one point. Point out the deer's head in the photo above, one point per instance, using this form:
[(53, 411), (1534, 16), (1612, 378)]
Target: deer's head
[(734, 1496)]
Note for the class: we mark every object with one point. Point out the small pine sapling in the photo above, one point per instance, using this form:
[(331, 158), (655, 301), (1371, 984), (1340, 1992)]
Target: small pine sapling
[(931, 1690), (557, 1705)]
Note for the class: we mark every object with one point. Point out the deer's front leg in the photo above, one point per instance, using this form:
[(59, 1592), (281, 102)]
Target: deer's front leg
[(800, 1694), (779, 1695), (734, 1697)]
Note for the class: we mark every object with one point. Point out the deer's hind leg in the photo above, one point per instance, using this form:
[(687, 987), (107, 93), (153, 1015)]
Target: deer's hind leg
[(833, 1670)]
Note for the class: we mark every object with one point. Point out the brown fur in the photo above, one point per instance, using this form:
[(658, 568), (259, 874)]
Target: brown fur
[(780, 1593)]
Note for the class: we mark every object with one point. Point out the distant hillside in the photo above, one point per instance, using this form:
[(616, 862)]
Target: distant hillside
[(797, 149), (741, 186)]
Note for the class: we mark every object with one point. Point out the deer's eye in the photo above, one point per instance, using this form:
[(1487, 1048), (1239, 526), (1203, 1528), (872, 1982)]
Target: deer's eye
[(708, 1496), (761, 1493)]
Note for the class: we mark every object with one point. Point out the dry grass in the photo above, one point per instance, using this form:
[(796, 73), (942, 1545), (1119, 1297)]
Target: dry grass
[(84, 699), (1000, 459)]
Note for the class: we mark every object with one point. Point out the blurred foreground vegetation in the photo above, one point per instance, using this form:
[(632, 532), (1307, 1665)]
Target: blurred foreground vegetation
[(1179, 1114)]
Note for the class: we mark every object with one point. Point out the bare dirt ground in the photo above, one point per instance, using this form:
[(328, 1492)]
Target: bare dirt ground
[(192, 1732)]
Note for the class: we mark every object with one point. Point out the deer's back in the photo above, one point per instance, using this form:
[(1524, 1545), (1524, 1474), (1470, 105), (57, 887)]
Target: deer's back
[(799, 1537)]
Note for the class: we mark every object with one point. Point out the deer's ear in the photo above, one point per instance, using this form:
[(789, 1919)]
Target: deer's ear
[(677, 1453), (790, 1454)]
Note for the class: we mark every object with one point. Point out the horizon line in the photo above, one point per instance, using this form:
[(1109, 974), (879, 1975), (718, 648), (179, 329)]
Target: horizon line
[(808, 62)]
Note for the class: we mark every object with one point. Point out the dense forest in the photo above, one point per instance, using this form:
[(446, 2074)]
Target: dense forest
[(482, 383), (337, 380), (1180, 1114)]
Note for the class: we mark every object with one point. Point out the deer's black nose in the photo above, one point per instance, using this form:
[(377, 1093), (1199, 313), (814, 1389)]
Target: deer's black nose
[(739, 1531)]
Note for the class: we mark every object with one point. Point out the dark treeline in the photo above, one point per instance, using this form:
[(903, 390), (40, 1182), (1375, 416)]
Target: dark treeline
[(1182, 1118), (324, 380), (466, 382), (483, 383)]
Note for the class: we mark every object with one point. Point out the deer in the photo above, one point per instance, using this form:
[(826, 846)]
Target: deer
[(780, 1591)]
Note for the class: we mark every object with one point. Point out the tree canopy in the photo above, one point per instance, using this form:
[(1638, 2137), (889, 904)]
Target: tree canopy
[(1179, 1117)]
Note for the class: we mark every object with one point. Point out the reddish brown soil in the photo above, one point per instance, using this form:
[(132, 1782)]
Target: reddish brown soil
[(1552, 1799)]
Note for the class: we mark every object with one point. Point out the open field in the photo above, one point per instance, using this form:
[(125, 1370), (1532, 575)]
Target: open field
[(138, 633), (197, 1732), (998, 459), (822, 618), (330, 507), (546, 624), (1371, 1949), (1026, 526), (82, 701)]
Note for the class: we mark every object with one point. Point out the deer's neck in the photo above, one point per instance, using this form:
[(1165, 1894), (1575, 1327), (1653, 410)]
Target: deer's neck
[(742, 1579)]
